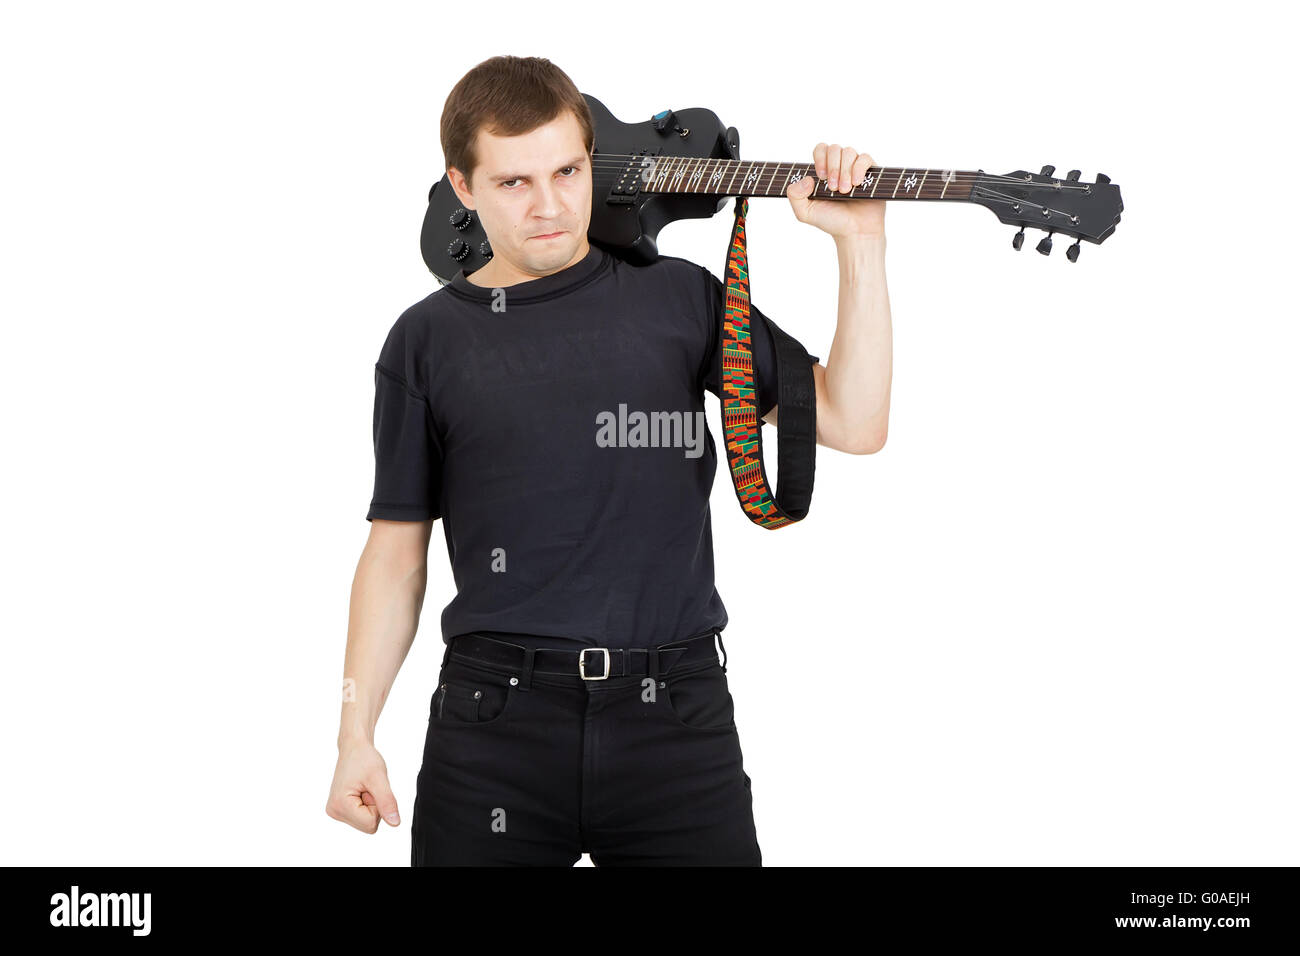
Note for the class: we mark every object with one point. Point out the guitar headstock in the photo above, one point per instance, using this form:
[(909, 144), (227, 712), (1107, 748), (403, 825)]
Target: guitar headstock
[(1067, 206)]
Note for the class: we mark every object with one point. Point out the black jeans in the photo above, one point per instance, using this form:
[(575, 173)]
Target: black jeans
[(635, 770)]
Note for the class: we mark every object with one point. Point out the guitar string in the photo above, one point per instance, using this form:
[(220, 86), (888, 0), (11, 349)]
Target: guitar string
[(624, 158), (1002, 197), (610, 175), (836, 194), (605, 177), (649, 189), (606, 169), (993, 194), (605, 163)]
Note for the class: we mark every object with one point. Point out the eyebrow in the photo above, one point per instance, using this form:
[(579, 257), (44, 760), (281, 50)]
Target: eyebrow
[(506, 177)]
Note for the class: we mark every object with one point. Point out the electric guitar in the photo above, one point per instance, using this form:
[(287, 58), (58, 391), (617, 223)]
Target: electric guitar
[(686, 165)]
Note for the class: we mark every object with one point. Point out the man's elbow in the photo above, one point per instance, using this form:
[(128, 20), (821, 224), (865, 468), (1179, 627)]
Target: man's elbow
[(869, 442)]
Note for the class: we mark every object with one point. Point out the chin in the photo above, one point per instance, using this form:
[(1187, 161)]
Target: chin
[(548, 255)]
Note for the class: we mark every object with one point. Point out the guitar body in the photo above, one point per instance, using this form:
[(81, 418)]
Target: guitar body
[(627, 226)]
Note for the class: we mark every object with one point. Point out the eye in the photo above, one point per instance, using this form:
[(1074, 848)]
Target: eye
[(505, 184)]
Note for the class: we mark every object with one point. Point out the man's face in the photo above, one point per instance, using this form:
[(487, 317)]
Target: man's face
[(526, 187)]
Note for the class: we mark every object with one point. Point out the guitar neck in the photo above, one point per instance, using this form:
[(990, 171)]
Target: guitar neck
[(743, 177)]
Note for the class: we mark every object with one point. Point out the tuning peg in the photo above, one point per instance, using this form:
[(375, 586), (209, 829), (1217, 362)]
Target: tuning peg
[(1018, 239), (1102, 179), (1072, 253), (1045, 245), (1072, 176), (1047, 170)]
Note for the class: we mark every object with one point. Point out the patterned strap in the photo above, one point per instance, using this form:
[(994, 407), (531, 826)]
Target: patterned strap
[(796, 438)]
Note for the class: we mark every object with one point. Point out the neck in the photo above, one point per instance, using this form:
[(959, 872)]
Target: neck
[(742, 177)]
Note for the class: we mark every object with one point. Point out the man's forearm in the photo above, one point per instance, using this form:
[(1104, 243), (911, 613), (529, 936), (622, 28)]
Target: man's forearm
[(383, 615), (859, 366)]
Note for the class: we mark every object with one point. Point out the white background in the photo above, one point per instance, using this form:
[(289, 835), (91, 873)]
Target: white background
[(1052, 622)]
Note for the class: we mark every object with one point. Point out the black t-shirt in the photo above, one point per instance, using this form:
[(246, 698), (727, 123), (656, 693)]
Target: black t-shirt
[(518, 426)]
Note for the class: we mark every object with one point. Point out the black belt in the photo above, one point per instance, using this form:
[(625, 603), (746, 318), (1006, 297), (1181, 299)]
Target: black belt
[(589, 663)]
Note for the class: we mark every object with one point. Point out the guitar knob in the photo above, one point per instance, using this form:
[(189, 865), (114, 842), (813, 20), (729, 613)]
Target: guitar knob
[(485, 249), (1018, 239), (1045, 246), (461, 218), (666, 118), (1072, 176), (1047, 170), (458, 249), (1072, 253)]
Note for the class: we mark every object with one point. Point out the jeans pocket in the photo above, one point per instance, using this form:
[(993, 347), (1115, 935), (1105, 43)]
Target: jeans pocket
[(468, 696), (700, 699)]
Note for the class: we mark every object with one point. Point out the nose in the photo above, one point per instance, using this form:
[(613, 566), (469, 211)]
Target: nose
[(546, 201)]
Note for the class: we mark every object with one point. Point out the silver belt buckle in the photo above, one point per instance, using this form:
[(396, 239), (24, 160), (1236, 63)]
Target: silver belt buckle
[(582, 663)]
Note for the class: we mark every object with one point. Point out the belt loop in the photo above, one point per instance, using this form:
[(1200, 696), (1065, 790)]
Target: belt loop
[(717, 637), (653, 664), (526, 678)]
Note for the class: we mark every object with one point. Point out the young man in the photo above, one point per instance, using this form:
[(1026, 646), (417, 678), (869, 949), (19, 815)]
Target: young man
[(582, 704)]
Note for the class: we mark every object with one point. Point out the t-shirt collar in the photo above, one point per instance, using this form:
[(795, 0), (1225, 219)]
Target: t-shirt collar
[(545, 286)]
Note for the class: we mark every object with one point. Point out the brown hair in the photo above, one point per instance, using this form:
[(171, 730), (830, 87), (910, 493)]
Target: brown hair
[(508, 96)]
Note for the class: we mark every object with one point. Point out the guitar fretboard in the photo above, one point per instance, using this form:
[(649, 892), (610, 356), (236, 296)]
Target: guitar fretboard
[(740, 177)]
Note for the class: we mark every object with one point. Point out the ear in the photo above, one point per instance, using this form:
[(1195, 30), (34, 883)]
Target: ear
[(460, 187)]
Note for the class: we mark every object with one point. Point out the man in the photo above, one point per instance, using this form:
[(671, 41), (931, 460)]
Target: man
[(496, 398)]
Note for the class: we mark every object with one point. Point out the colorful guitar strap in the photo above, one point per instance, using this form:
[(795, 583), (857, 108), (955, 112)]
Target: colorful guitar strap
[(796, 400)]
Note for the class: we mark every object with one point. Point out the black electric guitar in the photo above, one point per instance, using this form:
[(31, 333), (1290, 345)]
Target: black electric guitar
[(687, 165)]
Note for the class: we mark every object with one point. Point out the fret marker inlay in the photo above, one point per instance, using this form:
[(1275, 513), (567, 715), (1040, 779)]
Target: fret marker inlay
[(734, 177)]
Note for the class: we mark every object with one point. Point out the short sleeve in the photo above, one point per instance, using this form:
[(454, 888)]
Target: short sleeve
[(761, 344), (408, 455)]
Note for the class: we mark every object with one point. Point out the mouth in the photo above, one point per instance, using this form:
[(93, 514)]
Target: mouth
[(550, 235)]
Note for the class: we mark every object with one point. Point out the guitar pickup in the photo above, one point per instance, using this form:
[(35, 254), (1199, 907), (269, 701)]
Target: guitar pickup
[(638, 170)]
